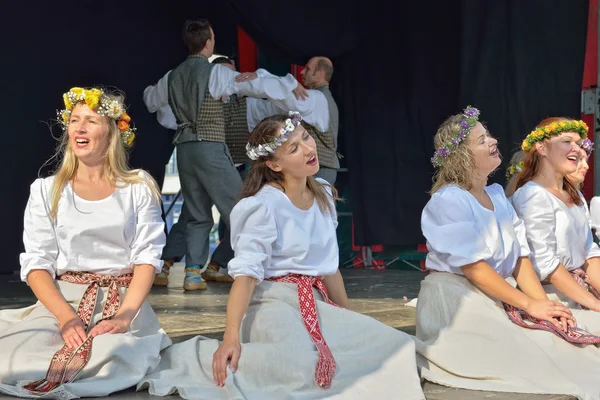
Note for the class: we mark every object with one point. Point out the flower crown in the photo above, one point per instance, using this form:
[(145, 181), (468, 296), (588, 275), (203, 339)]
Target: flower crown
[(96, 100), (588, 146), (514, 169), (471, 116), (556, 128), (255, 152)]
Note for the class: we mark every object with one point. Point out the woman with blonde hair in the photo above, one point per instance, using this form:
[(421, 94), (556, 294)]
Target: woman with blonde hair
[(547, 199), (512, 172), (93, 237), (483, 320), (289, 333), (578, 177)]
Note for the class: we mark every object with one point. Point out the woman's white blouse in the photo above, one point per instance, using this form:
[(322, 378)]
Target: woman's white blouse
[(595, 214), (272, 237), (556, 233), (460, 231), (108, 236)]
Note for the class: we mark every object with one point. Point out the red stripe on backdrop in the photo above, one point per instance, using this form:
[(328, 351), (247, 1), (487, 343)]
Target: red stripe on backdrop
[(590, 79), (247, 52), (296, 70)]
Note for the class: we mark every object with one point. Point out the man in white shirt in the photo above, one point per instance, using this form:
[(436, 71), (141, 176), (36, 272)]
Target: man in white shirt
[(193, 91), (236, 137), (316, 105)]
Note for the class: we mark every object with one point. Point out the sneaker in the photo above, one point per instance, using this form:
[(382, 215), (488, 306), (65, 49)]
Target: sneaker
[(193, 279), (215, 273), (162, 279)]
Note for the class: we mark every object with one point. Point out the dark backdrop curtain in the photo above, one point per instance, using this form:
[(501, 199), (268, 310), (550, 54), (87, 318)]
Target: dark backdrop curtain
[(50, 47), (522, 61), (399, 71)]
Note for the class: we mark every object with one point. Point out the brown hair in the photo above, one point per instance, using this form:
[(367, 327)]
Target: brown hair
[(196, 32), (532, 162), (260, 174)]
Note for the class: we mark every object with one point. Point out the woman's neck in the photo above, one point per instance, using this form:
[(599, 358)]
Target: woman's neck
[(478, 184), (295, 188), (90, 173), (549, 179)]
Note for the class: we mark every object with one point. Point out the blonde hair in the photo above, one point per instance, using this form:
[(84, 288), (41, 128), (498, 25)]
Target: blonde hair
[(260, 174), (512, 182), (458, 167), (116, 166)]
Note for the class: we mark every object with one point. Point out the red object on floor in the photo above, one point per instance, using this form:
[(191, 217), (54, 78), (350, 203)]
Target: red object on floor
[(422, 248), (362, 260)]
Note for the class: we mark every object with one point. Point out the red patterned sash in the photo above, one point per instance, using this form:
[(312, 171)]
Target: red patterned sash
[(325, 369), (68, 362), (583, 279), (573, 335)]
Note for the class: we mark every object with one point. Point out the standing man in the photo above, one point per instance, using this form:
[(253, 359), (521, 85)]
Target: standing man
[(206, 170), (319, 111), (316, 76)]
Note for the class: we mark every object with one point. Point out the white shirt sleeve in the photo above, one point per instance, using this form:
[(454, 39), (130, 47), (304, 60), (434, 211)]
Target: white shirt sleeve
[(595, 214), (150, 236), (157, 96), (166, 118), (535, 209), (453, 237), (520, 230), (314, 109), (222, 83), (592, 248), (39, 238), (259, 109), (253, 232)]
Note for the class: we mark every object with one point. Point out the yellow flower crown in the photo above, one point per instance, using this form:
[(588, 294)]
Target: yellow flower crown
[(553, 129), (96, 100), (514, 169)]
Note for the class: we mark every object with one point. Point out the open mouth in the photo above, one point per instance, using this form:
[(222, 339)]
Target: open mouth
[(572, 158), (495, 152), (80, 142), (312, 160)]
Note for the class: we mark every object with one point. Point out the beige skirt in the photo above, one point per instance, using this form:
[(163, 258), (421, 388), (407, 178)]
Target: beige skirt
[(30, 336), (465, 340), (278, 358)]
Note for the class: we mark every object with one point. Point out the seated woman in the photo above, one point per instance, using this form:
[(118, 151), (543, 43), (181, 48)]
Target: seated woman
[(93, 236), (556, 218), (578, 177), (475, 329), (289, 332), (515, 166)]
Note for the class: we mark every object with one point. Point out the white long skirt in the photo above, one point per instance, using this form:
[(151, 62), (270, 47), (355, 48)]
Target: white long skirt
[(465, 340), (30, 336), (278, 358)]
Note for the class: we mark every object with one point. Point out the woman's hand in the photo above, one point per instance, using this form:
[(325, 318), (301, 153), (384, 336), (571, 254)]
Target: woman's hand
[(113, 325), (595, 306), (553, 312), (72, 330), (230, 349)]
